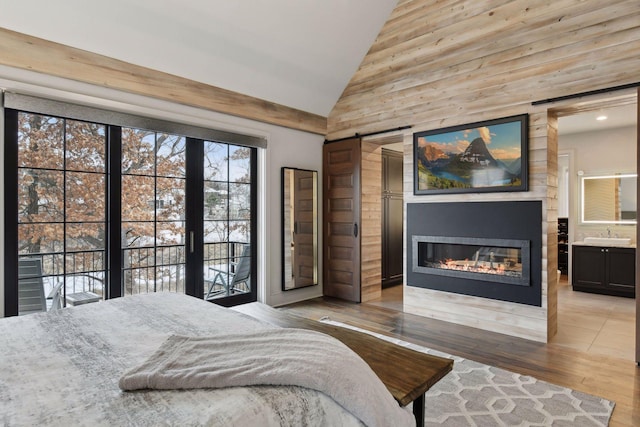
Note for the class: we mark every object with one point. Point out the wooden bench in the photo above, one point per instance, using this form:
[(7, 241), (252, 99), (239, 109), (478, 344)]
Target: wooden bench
[(406, 373)]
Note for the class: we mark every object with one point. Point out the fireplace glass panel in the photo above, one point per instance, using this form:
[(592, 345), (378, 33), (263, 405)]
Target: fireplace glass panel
[(475, 258), (492, 260)]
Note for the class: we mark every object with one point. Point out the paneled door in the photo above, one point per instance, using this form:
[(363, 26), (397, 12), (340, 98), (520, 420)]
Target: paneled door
[(341, 219)]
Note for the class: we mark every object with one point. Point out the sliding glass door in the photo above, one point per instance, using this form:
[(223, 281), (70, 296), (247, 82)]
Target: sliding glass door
[(116, 211), (153, 211), (61, 208), (227, 220)]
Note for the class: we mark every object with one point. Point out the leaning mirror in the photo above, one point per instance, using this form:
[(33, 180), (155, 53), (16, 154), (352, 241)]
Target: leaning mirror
[(609, 199), (299, 228)]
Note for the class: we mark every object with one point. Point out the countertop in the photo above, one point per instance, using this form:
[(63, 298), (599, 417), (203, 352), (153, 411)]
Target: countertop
[(632, 246)]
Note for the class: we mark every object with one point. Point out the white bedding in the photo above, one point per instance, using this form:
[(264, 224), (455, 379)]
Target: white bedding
[(63, 367)]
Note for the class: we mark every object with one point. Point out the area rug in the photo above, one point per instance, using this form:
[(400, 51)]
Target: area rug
[(475, 394)]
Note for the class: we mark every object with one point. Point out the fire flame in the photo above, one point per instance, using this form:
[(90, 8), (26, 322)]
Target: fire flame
[(473, 266)]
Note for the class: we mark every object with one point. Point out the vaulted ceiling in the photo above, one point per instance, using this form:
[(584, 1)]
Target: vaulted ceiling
[(297, 53)]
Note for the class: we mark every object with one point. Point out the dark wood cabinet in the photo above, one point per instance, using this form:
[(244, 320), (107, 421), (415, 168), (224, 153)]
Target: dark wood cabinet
[(604, 270), (392, 205)]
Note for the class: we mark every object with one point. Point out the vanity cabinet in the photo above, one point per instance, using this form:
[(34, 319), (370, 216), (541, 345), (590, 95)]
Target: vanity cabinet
[(604, 270)]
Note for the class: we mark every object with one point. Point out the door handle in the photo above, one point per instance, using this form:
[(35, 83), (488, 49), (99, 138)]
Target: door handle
[(355, 229), (192, 246)]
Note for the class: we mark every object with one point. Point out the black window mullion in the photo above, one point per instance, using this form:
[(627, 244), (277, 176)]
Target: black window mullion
[(11, 212), (230, 252), (113, 246), (194, 218), (155, 215), (64, 214), (253, 221)]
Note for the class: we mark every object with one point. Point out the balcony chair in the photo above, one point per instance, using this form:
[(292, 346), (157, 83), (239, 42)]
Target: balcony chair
[(226, 282), (31, 297), (56, 297), (30, 288)]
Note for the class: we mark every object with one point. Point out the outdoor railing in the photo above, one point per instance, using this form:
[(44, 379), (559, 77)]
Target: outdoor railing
[(146, 269)]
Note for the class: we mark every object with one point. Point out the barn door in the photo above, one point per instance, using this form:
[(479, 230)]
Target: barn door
[(341, 231)]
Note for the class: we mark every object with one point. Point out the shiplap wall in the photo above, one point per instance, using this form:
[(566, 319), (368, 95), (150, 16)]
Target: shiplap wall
[(370, 215), (450, 62)]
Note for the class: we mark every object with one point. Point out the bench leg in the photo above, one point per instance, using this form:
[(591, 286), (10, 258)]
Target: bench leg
[(418, 410)]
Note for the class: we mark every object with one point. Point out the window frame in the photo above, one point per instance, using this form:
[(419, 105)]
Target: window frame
[(113, 254)]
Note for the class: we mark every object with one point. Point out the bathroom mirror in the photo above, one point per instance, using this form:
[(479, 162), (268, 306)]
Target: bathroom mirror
[(608, 199), (299, 228)]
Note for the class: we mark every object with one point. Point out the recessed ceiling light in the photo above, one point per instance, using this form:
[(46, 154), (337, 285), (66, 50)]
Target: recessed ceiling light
[(601, 117)]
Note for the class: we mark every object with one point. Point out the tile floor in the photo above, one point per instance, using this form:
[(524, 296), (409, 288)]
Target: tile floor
[(596, 324)]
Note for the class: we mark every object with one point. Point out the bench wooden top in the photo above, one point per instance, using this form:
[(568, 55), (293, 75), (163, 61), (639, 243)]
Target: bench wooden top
[(406, 373)]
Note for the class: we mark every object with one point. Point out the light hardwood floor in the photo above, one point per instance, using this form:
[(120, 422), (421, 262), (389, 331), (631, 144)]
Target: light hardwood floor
[(593, 352), (592, 323)]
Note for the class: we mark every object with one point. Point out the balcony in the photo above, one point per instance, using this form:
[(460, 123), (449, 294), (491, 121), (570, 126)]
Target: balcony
[(146, 269)]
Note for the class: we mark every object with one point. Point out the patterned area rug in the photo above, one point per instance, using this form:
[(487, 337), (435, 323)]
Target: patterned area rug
[(475, 394)]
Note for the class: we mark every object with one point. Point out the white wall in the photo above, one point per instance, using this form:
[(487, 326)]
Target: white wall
[(286, 147), (563, 185), (597, 153), (299, 150)]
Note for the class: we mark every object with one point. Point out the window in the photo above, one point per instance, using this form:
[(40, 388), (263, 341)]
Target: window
[(227, 218), (122, 210), (61, 201), (153, 168)]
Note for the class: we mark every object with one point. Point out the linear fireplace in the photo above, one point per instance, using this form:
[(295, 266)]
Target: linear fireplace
[(494, 260), (484, 249)]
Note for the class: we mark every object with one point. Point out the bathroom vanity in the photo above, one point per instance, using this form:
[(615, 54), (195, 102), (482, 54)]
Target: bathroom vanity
[(604, 266)]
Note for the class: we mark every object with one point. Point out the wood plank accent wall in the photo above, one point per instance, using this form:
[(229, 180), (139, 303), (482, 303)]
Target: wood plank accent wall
[(445, 63), (370, 215), (551, 296), (35, 54)]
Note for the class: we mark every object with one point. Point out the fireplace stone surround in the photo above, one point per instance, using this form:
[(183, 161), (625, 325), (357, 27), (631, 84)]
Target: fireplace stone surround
[(516, 224)]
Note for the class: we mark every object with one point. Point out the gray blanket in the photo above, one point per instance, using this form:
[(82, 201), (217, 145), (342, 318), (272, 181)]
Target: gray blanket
[(271, 357), (62, 368)]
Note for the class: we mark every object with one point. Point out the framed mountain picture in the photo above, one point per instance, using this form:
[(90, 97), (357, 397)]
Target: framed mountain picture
[(477, 157)]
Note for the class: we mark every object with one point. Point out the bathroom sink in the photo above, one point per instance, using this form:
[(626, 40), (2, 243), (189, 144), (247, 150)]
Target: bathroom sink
[(608, 241)]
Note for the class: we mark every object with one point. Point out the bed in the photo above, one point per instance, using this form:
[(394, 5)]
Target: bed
[(63, 368)]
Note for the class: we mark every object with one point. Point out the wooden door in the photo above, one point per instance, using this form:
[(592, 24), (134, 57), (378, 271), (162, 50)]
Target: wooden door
[(341, 219), (304, 246)]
